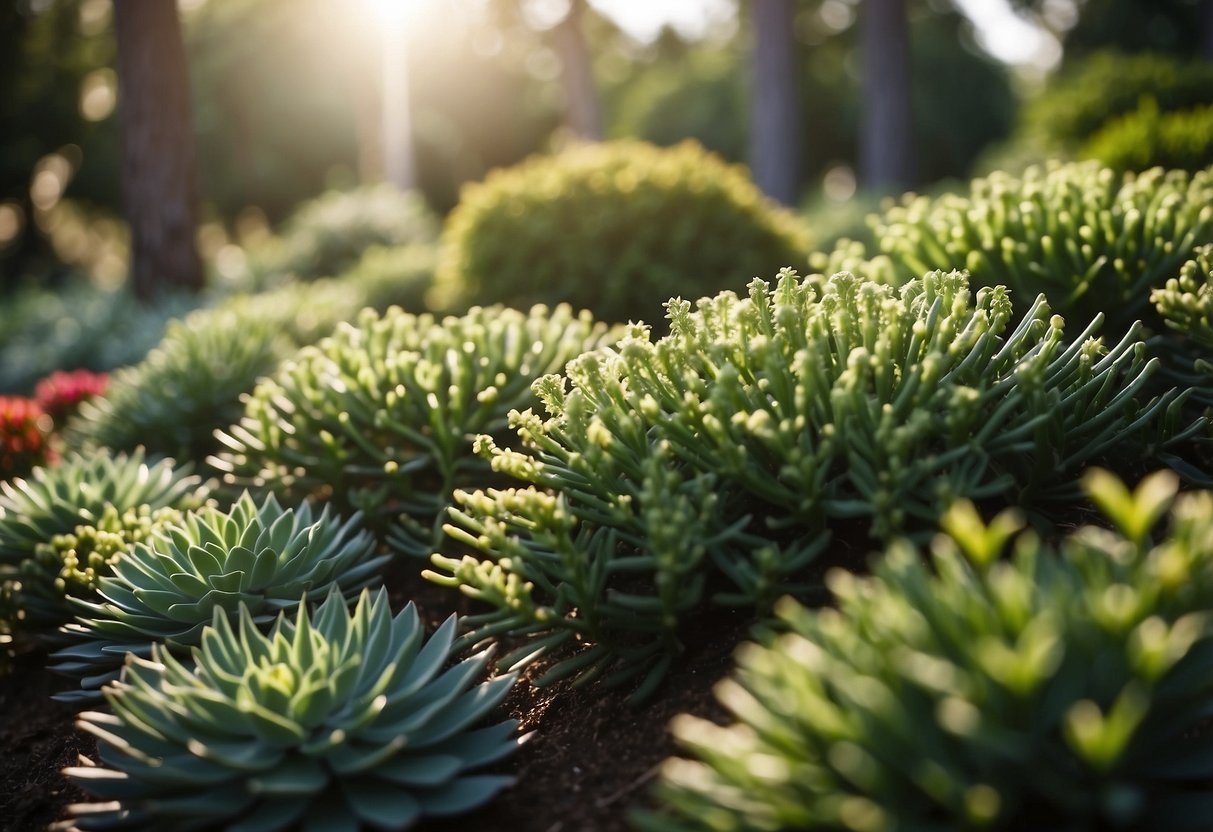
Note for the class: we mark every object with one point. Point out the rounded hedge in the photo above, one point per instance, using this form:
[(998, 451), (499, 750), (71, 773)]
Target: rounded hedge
[(616, 228), (1181, 140)]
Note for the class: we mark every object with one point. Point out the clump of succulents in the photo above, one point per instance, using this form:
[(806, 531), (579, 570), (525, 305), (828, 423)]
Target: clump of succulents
[(337, 720), (1090, 239), (24, 428), (168, 586), (616, 228), (708, 465), (1185, 303), (58, 500), (1063, 688), (61, 393), (381, 416)]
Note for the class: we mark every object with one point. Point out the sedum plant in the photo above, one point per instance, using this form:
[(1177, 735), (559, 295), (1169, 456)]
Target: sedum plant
[(616, 228), (707, 466), (1093, 241), (1185, 303), (381, 416), (77, 491), (338, 720), (1065, 688), (167, 587)]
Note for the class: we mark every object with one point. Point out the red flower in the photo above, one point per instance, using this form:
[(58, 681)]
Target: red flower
[(23, 431), (60, 393)]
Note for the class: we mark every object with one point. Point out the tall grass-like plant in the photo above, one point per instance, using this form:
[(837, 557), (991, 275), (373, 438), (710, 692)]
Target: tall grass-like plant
[(381, 416), (77, 491), (707, 466), (166, 589), (336, 720), (1056, 689), (616, 228)]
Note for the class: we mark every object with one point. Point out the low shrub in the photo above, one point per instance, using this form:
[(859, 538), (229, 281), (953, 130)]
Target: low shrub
[(166, 588), (77, 491), (1062, 688), (616, 228), (1144, 138), (707, 467), (24, 430), (396, 276), (334, 721), (380, 417)]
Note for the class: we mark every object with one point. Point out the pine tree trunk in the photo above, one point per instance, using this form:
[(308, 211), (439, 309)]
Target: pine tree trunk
[(583, 110), (887, 156), (159, 165), (775, 146)]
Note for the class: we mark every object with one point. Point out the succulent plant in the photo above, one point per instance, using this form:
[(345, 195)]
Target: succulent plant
[(616, 228), (338, 720), (707, 466), (1093, 241), (1060, 688), (1185, 303), (166, 588), (77, 491), (24, 427), (381, 416)]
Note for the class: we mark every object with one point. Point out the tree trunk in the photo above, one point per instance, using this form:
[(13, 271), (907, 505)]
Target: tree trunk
[(775, 146), (1206, 29), (159, 165), (887, 157), (582, 108)]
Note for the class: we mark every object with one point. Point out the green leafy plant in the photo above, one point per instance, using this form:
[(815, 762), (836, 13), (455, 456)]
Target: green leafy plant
[(166, 588), (1090, 239), (616, 228), (1179, 140), (335, 721), (77, 491), (707, 466), (24, 428), (1060, 688), (381, 416)]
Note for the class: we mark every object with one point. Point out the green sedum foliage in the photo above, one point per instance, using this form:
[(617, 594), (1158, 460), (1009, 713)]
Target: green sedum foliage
[(616, 228), (1185, 303), (58, 500), (381, 416), (707, 466), (1180, 140), (167, 588), (339, 720), (1062, 688), (1090, 239)]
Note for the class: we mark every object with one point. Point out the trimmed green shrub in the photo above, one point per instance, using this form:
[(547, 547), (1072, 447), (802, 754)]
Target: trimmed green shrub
[(166, 588), (380, 417), (77, 491), (397, 276), (707, 467), (329, 234), (616, 228), (331, 722), (1144, 138), (1056, 689), (1091, 240)]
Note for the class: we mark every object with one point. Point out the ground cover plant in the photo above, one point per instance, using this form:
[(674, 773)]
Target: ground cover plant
[(329, 721), (380, 417), (165, 589), (58, 500), (1061, 688), (616, 228), (709, 466)]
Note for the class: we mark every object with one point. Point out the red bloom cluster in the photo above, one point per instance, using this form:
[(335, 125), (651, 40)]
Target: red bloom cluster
[(23, 433), (60, 393)]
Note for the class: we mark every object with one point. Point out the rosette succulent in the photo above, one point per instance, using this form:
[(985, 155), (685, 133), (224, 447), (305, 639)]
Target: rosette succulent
[(78, 491), (334, 721), (381, 416), (708, 465), (1063, 688), (167, 587)]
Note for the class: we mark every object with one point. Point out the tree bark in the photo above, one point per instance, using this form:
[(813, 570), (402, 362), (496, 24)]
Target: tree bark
[(1206, 29), (159, 165), (887, 156), (775, 136), (583, 112)]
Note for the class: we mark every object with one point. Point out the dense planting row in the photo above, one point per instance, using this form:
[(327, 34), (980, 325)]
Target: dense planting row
[(218, 520)]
